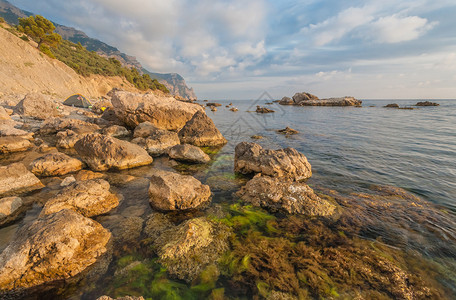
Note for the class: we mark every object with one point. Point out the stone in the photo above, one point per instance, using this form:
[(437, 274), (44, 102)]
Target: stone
[(145, 129), (277, 194), (187, 249), (116, 131), (67, 138), (201, 131), (234, 109), (342, 101), (213, 108), (156, 141), (286, 101), (16, 179), (171, 191), (188, 153), (67, 181), (102, 153), (55, 247), (125, 230), (89, 198), (288, 131), (301, 97), (38, 106), (10, 207), (60, 124), (87, 175), (10, 144), (4, 114), (8, 129), (55, 164), (288, 162), (215, 104), (162, 111), (263, 110), (392, 105), (257, 137), (426, 103)]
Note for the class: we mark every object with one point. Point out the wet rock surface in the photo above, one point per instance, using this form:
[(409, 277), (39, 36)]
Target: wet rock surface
[(284, 195), (55, 164), (10, 144), (188, 153), (55, 247), (288, 162), (201, 131), (16, 179), (102, 153), (171, 191), (89, 198)]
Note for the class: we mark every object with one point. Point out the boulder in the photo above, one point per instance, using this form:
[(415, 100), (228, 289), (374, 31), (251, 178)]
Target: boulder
[(215, 104), (16, 179), (257, 137), (392, 105), (288, 162), (38, 106), (234, 109), (67, 138), (10, 207), (55, 164), (188, 153), (89, 198), (59, 124), (8, 129), (9, 144), (116, 131), (201, 131), (162, 111), (171, 191), (286, 101), (102, 153), (288, 131), (284, 195), (263, 110), (300, 97), (342, 101), (67, 181), (145, 129), (426, 103), (54, 247), (156, 141), (187, 249)]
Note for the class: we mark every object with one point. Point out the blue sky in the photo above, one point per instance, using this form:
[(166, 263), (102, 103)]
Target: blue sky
[(239, 49)]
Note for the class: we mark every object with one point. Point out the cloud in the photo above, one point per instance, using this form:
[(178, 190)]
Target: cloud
[(395, 29)]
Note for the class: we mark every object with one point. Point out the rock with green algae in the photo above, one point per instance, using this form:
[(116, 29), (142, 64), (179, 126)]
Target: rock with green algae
[(284, 195), (188, 248)]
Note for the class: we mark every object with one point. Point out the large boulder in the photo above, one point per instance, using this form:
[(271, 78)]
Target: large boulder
[(188, 153), (116, 131), (300, 97), (10, 208), (8, 129), (102, 153), (156, 141), (284, 195), (162, 111), (9, 144), (89, 198), (54, 125), (171, 191), (67, 139), (201, 131), (55, 164), (38, 106), (187, 249), (286, 101), (252, 158), (54, 247), (16, 179)]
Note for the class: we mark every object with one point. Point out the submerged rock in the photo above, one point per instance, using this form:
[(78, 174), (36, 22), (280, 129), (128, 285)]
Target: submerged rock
[(38, 106), (16, 179), (188, 153), (89, 198), (284, 195), (288, 162), (10, 144), (54, 247), (263, 110), (55, 164), (201, 131), (287, 130), (172, 191), (102, 153), (257, 137), (187, 249), (162, 111)]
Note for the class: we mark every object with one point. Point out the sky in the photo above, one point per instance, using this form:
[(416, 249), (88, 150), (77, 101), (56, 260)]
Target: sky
[(369, 49)]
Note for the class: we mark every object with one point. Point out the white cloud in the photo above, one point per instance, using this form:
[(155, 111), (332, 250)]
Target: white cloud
[(395, 29)]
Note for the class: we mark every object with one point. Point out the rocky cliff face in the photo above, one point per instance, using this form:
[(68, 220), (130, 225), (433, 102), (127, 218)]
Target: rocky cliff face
[(173, 81)]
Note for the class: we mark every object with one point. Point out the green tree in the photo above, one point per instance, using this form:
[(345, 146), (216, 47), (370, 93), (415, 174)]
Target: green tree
[(41, 30)]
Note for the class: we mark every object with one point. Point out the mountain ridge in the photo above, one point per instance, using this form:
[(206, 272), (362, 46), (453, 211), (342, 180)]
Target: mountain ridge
[(173, 81)]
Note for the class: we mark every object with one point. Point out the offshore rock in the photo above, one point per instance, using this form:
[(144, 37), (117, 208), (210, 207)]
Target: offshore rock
[(343, 101), (201, 131), (16, 179), (427, 103), (55, 164), (162, 111), (188, 153), (89, 198), (263, 110), (286, 101), (288, 162), (54, 247), (284, 195), (300, 97), (102, 153), (171, 191)]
